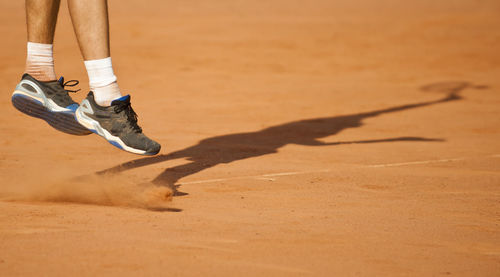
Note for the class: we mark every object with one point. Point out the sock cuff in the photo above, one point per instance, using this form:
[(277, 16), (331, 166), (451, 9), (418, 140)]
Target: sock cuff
[(100, 72), (40, 52), (39, 47), (100, 63)]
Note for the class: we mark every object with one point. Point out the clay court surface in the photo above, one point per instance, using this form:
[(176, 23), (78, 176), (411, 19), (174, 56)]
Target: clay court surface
[(301, 138)]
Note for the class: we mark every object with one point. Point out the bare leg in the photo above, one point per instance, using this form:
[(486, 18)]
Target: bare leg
[(41, 18), (90, 22)]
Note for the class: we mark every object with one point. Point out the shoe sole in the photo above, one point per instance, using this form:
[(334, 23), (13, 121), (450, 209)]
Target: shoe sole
[(96, 128), (61, 121)]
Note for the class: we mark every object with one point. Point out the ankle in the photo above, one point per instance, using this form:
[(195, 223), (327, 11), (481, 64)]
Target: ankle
[(102, 81), (40, 61), (103, 96)]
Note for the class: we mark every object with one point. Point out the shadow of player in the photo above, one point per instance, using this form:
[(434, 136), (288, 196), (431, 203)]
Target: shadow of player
[(233, 147)]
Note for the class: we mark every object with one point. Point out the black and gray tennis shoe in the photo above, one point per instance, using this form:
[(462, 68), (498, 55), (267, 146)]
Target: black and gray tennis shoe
[(49, 101), (117, 124)]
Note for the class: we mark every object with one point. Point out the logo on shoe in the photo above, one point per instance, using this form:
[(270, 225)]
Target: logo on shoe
[(85, 107)]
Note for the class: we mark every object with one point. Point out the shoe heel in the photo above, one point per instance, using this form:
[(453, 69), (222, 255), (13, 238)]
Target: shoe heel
[(64, 122), (28, 105)]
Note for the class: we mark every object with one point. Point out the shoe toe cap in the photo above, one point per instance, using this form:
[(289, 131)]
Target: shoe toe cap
[(150, 146), (153, 148)]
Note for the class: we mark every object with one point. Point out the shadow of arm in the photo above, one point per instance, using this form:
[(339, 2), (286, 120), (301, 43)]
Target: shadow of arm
[(320, 143)]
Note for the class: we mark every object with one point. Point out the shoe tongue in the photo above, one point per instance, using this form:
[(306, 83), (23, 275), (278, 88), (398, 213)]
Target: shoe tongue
[(61, 80), (125, 99)]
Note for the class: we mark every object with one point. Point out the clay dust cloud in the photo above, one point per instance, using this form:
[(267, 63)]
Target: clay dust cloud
[(105, 190)]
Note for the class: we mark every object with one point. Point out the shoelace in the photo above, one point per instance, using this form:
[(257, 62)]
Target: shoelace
[(71, 83), (129, 112)]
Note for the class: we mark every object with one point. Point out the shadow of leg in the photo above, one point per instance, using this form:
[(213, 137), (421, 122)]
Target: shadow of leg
[(171, 176)]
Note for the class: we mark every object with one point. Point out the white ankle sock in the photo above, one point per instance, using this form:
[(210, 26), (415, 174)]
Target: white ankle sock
[(40, 61), (102, 81)]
